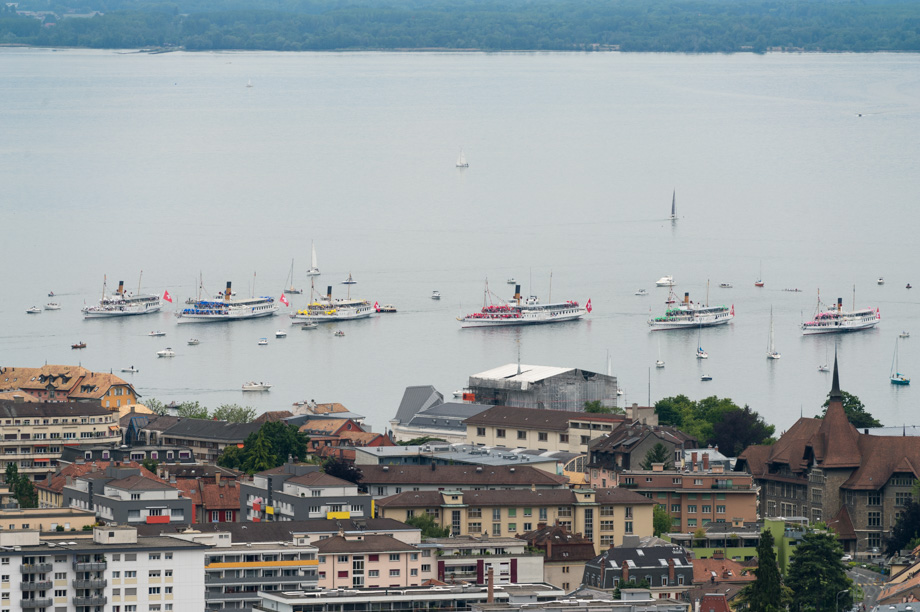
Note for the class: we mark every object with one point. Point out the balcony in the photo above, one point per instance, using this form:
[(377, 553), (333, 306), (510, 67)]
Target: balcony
[(28, 604), (44, 585), (89, 566), (95, 600), (35, 568), (733, 487), (98, 583)]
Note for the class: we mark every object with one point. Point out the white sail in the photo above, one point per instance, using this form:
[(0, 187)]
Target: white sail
[(461, 160), (673, 205), (313, 271)]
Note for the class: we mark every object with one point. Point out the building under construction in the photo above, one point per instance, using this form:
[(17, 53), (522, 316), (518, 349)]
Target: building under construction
[(548, 387)]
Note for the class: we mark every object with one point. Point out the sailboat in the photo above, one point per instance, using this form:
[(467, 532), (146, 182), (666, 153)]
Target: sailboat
[(896, 377), (313, 271), (349, 280), (700, 353), (461, 160), (759, 281), (659, 363), (771, 347), (249, 84), (673, 216), (291, 288), (823, 367)]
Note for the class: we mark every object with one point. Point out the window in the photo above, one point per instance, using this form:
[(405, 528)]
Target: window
[(512, 527), (521, 435), (902, 498), (343, 559), (168, 590), (564, 438), (691, 522), (413, 572), (167, 573), (875, 498), (394, 556), (675, 508), (691, 508), (475, 528), (542, 514), (875, 519), (627, 526), (496, 514), (115, 574), (512, 512), (474, 513), (542, 436), (720, 509), (606, 525), (480, 431), (499, 433), (707, 509), (394, 573), (629, 512), (57, 576), (60, 592), (496, 529), (585, 440), (373, 573), (153, 574), (153, 590), (426, 568), (343, 574), (130, 574), (153, 556)]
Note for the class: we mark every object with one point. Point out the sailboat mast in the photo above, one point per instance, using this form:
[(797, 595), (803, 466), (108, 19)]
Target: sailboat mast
[(104, 280), (142, 276), (673, 203), (550, 299)]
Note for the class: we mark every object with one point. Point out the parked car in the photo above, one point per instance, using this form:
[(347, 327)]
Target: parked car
[(847, 557)]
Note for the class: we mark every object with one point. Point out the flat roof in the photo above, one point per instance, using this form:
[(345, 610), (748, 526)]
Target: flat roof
[(470, 453), (529, 373)]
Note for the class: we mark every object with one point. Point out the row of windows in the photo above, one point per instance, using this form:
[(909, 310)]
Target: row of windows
[(370, 558), (542, 436)]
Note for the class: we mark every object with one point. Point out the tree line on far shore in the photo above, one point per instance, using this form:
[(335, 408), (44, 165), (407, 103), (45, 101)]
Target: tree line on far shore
[(687, 26)]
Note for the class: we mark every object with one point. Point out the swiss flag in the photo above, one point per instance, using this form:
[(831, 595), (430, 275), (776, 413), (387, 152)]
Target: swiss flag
[(166, 297), (733, 310), (878, 315), (588, 305), (377, 306), (284, 300)]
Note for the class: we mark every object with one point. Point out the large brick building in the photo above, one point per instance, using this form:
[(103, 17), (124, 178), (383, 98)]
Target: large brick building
[(826, 470)]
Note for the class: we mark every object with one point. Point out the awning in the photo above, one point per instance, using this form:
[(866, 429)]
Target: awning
[(241, 445), (41, 460), (114, 427)]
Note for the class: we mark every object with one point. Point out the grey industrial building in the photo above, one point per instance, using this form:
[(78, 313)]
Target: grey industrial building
[(530, 386)]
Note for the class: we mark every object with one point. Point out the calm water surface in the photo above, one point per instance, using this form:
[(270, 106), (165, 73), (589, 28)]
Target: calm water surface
[(112, 163)]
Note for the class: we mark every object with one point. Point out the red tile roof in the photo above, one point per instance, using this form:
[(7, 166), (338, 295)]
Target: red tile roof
[(723, 570), (56, 483)]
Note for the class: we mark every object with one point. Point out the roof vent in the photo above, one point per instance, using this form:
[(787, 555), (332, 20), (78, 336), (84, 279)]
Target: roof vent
[(386, 468)]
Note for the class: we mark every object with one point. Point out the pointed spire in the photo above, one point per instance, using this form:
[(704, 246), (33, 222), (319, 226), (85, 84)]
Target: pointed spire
[(835, 386)]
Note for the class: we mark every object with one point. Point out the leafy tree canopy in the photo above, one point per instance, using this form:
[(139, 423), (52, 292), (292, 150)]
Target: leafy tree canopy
[(657, 454), (816, 575), (192, 410), (272, 445), (420, 441), (234, 413), (21, 487), (715, 421), (342, 469), (661, 520), (767, 593), (906, 530), (855, 411), (429, 528), (595, 407)]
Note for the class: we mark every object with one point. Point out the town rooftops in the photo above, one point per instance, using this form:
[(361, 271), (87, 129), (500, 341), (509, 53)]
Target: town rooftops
[(281, 531), (206, 429), (523, 497), (652, 556), (12, 409), (453, 475), (75, 381), (367, 544), (466, 453), (139, 483), (57, 481), (626, 437), (319, 479), (536, 418)]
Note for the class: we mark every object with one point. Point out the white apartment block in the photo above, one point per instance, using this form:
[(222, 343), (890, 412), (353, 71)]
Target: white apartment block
[(114, 572)]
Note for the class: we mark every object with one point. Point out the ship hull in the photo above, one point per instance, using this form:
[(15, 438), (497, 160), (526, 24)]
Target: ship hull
[(233, 314), (830, 328), (525, 319), (690, 323), (127, 311)]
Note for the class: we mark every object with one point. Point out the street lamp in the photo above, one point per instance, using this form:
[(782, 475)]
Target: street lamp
[(837, 599)]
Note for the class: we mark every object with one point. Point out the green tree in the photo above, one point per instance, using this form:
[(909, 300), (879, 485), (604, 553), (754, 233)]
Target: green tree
[(855, 410), (155, 406), (657, 454), (150, 464), (259, 455), (192, 410), (420, 441), (661, 520), (767, 593), (738, 429), (232, 457), (816, 575), (429, 528), (905, 531), (632, 584), (234, 413), (12, 475), (342, 469), (287, 441), (21, 487), (715, 421), (595, 407)]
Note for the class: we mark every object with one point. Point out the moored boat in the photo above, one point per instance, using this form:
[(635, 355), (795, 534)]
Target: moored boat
[(131, 370), (339, 333), (881, 281), (641, 292), (157, 333), (896, 377), (256, 386), (436, 295), (725, 285), (263, 341), (78, 345), (194, 342), (523, 312), (461, 160), (837, 320), (34, 310), (228, 309), (705, 377), (349, 280), (688, 314), (52, 306), (123, 304), (325, 308), (280, 334), (167, 352), (387, 308), (665, 281)]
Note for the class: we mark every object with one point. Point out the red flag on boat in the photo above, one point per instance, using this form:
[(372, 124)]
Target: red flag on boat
[(377, 306), (284, 300), (166, 297), (878, 315), (733, 310), (588, 305)]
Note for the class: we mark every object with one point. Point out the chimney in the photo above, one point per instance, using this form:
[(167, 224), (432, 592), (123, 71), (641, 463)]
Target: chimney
[(18, 399), (671, 578), (839, 304), (329, 292), (657, 467), (693, 461), (705, 462), (549, 548), (625, 572), (686, 297), (718, 554), (121, 288), (217, 478), (228, 292), (491, 597)]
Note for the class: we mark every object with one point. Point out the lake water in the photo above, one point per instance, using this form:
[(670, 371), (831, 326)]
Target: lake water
[(112, 163)]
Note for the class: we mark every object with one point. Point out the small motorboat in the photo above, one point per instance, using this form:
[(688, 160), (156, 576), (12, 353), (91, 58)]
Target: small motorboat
[(263, 341), (705, 377), (881, 281), (51, 294), (156, 334), (339, 333), (659, 363), (387, 308), (725, 285), (256, 386), (793, 290), (131, 370), (194, 341), (620, 390), (309, 325), (665, 281), (701, 354), (349, 280), (52, 306), (78, 345), (758, 283), (436, 295), (823, 368), (908, 286), (34, 310), (904, 334), (641, 292), (511, 281), (167, 352), (458, 393), (280, 334)]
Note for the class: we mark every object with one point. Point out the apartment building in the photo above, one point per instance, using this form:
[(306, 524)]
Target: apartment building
[(123, 495), (46, 519), (696, 498), (544, 430), (565, 554), (65, 383), (51, 490), (626, 447), (469, 559), (124, 454), (372, 561), (294, 492), (115, 571), (386, 480), (667, 570), (603, 516), (34, 433)]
